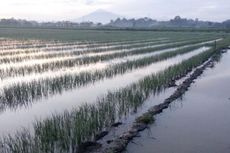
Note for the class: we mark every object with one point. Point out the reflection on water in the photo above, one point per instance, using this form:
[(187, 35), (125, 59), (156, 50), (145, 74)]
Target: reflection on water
[(67, 100), (40, 66), (77, 69), (197, 123), (69, 49)]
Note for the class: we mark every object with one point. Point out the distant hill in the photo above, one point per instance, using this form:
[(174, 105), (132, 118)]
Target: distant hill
[(101, 16)]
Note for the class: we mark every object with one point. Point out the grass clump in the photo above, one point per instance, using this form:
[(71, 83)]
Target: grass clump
[(146, 118)]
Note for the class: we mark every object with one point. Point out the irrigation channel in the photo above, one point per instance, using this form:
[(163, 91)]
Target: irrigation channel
[(55, 95), (196, 123)]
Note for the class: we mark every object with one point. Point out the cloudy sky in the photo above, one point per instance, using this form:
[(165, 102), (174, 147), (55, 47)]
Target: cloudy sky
[(43, 10)]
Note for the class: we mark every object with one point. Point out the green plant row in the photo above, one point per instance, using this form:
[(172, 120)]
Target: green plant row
[(25, 92), (59, 47), (69, 63), (62, 133), (72, 51)]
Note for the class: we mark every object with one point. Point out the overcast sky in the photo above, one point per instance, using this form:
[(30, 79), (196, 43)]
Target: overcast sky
[(43, 10)]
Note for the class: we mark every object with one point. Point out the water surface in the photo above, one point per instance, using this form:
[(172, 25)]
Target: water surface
[(25, 114), (198, 123)]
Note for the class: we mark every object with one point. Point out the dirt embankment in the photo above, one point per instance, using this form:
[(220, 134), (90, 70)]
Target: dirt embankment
[(141, 123)]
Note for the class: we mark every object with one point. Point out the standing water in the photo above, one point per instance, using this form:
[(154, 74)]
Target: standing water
[(25, 116), (198, 123)]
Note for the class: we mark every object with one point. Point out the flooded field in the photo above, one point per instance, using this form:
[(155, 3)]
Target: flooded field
[(196, 123), (58, 93)]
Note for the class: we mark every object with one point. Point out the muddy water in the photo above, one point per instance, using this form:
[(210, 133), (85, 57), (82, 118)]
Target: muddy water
[(11, 120), (198, 123)]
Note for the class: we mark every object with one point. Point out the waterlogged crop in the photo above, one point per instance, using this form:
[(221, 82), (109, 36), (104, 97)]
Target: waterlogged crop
[(33, 69)]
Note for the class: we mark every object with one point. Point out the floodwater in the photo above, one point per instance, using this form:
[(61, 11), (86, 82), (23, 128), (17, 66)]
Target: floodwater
[(24, 116), (197, 123)]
